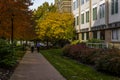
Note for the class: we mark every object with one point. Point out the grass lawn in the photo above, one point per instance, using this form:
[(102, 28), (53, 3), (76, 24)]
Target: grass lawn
[(71, 69)]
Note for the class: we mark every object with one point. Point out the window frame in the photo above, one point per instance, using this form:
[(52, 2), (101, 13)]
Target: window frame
[(82, 18), (114, 7), (102, 10), (115, 35), (87, 16), (77, 20), (95, 13), (87, 35), (95, 34), (102, 35), (83, 34), (82, 2)]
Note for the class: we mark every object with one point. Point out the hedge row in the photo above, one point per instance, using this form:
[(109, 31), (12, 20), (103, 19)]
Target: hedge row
[(107, 60)]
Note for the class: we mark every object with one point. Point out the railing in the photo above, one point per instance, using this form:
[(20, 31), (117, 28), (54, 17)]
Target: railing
[(97, 45)]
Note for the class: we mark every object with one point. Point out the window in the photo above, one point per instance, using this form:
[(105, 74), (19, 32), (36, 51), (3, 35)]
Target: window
[(82, 36), (87, 35), (82, 17), (115, 34), (114, 7), (77, 2), (77, 20), (102, 10), (95, 34), (77, 36), (74, 22), (82, 2), (73, 5), (95, 13), (87, 16), (102, 35), (87, 0)]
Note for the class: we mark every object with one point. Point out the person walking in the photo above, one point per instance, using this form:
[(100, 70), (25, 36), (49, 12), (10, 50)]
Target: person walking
[(32, 47), (38, 47)]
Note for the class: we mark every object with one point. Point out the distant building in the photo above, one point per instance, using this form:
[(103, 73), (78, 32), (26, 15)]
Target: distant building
[(98, 19), (63, 5)]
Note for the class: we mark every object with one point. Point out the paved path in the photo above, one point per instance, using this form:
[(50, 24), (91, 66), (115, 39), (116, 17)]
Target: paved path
[(35, 67)]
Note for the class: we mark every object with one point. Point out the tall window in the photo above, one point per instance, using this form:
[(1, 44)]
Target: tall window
[(82, 36), (95, 34), (114, 7), (82, 21), (102, 10), (87, 35), (74, 22), (102, 35), (87, 0), (95, 13), (73, 5), (115, 34), (82, 2), (77, 20), (77, 2), (87, 16)]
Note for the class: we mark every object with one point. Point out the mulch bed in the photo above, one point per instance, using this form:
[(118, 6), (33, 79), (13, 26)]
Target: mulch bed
[(5, 73)]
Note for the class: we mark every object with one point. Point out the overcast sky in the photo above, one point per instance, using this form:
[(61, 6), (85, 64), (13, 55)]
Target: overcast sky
[(40, 2)]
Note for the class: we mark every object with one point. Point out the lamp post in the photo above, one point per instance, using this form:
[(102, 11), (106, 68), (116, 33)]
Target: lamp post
[(12, 33), (12, 29)]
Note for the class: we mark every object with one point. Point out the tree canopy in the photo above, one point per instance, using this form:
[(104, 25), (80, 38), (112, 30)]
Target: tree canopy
[(19, 11), (56, 26), (52, 25)]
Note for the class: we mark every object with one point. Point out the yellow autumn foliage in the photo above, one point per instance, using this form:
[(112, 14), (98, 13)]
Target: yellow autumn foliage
[(56, 26)]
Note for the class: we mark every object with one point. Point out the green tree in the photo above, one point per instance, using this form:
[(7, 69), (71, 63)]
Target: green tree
[(57, 27), (42, 10), (52, 26)]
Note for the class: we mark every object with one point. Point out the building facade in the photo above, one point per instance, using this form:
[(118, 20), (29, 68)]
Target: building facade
[(63, 5), (99, 19)]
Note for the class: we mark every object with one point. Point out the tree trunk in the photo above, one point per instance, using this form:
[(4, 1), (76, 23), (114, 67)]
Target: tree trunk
[(47, 43)]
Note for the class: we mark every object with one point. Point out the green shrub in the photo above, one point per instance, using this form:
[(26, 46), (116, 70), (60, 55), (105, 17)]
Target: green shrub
[(8, 62), (5, 49), (94, 41), (19, 54), (8, 54), (19, 48), (66, 50), (75, 42), (3, 43)]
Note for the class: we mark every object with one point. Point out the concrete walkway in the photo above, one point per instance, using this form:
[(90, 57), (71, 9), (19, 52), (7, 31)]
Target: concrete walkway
[(35, 67)]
